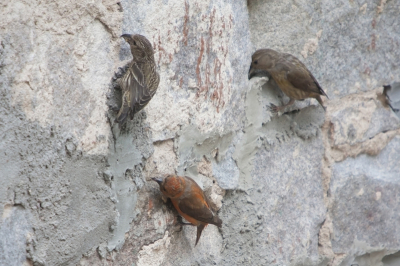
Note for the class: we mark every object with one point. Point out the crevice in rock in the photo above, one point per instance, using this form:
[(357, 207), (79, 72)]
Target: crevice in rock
[(392, 259)]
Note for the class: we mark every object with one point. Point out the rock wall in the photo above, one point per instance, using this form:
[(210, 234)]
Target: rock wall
[(306, 187)]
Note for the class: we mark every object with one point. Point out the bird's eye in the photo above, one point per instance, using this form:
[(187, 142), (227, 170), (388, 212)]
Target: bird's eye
[(134, 42), (256, 62)]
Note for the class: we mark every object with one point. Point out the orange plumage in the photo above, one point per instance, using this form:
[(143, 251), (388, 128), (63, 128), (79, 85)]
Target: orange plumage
[(189, 200)]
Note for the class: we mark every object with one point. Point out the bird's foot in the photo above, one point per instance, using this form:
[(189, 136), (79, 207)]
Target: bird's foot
[(274, 109), (120, 72), (114, 109), (179, 221), (115, 83)]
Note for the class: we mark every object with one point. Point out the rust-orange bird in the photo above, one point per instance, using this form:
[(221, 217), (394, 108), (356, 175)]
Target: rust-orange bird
[(189, 200), (291, 75)]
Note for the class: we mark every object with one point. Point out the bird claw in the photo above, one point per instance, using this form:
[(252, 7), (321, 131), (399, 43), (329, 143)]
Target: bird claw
[(273, 108), (179, 221), (114, 109)]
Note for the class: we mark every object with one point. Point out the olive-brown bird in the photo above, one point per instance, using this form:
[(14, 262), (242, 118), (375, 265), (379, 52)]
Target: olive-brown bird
[(291, 75), (140, 81), (189, 200)]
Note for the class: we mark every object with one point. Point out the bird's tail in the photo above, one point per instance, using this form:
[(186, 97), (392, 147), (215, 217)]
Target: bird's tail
[(199, 230), (320, 102), (122, 115), (324, 93), (216, 221)]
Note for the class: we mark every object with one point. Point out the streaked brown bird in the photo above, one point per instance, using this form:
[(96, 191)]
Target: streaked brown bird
[(189, 200), (291, 75), (140, 81)]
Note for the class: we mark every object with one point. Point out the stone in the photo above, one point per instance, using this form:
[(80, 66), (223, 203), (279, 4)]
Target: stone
[(365, 204), (76, 189)]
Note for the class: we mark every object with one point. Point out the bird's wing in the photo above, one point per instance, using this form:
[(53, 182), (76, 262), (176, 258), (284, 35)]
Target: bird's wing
[(299, 76), (196, 207), (133, 86), (140, 94)]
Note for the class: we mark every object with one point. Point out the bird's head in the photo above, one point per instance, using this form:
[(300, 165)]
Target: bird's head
[(261, 62), (171, 186), (140, 46)]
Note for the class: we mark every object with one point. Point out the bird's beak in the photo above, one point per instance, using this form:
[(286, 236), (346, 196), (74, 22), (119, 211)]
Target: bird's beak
[(254, 72), (157, 179), (125, 36), (251, 73)]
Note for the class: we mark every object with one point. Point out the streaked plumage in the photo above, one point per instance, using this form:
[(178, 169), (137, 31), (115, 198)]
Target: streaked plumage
[(289, 73), (140, 81)]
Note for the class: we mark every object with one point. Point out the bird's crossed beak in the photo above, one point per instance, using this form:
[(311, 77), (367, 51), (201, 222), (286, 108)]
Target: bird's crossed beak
[(251, 73), (125, 36), (157, 179), (254, 72)]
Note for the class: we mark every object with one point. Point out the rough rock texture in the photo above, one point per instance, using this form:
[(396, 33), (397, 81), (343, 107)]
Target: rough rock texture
[(370, 222), (305, 187)]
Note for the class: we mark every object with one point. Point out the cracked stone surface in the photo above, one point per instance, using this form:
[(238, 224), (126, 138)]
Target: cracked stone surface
[(305, 187), (366, 203)]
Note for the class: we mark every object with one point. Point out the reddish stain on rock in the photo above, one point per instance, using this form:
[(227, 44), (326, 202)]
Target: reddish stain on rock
[(186, 24)]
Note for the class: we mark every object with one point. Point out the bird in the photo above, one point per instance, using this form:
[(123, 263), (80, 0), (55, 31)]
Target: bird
[(289, 73), (189, 200), (140, 81)]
